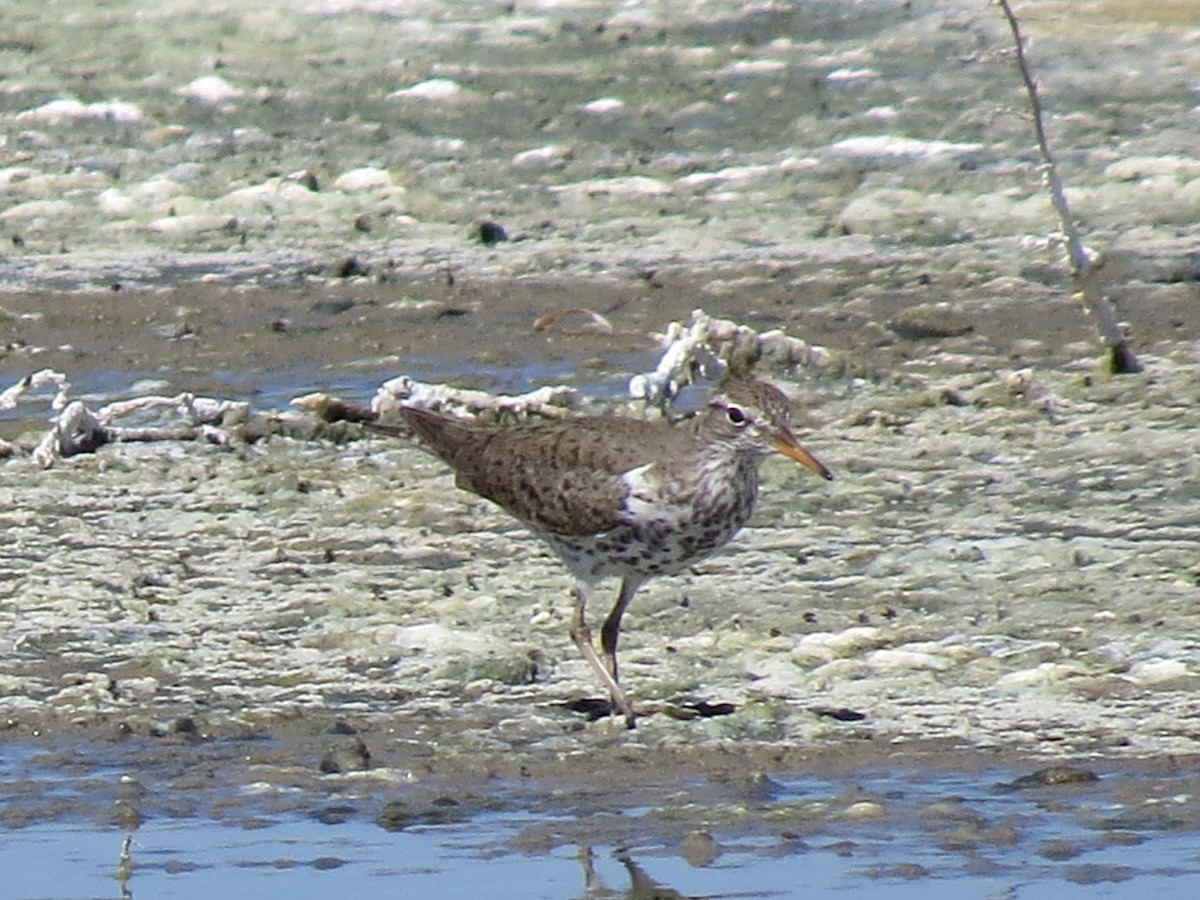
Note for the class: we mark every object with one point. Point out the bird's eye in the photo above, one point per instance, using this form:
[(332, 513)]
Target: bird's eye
[(736, 416)]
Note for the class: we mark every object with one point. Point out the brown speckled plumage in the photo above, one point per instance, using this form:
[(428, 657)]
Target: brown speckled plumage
[(618, 496)]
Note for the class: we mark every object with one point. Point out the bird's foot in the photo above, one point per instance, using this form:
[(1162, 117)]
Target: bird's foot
[(596, 708)]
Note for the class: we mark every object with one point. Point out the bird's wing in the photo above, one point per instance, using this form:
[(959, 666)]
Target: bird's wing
[(561, 479)]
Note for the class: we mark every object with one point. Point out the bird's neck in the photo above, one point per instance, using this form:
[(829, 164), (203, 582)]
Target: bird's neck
[(730, 473)]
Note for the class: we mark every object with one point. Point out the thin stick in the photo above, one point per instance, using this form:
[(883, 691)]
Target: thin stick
[(1083, 266)]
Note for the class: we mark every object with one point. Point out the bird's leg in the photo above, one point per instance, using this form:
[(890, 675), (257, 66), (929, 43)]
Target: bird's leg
[(610, 633), (582, 636)]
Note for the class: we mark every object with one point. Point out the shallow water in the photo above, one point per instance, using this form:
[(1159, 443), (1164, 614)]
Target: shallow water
[(902, 834), (298, 857)]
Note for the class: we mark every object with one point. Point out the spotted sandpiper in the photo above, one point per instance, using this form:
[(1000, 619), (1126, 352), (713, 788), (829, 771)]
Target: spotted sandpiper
[(620, 496)]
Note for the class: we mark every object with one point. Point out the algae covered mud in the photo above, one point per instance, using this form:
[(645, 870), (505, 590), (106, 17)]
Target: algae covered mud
[(258, 204)]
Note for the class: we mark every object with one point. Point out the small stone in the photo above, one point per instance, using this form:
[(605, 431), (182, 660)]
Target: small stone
[(126, 816), (362, 179), (864, 809), (1059, 850), (352, 756), (351, 267), (490, 233), (395, 816), (700, 849), (1054, 776), (435, 89), (211, 90)]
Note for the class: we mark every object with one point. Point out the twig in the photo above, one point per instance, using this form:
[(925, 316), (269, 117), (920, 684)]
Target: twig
[(335, 409), (1083, 266), (125, 866), (594, 323)]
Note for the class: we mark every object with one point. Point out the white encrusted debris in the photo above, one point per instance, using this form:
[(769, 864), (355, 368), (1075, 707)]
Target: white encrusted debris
[(195, 410), (703, 348), (34, 382), (405, 391), (77, 429)]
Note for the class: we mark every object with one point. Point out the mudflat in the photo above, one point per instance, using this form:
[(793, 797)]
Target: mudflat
[(1003, 573)]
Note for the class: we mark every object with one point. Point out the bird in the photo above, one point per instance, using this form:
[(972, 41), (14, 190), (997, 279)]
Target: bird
[(618, 496)]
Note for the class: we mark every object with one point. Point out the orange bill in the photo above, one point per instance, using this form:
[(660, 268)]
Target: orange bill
[(791, 448)]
